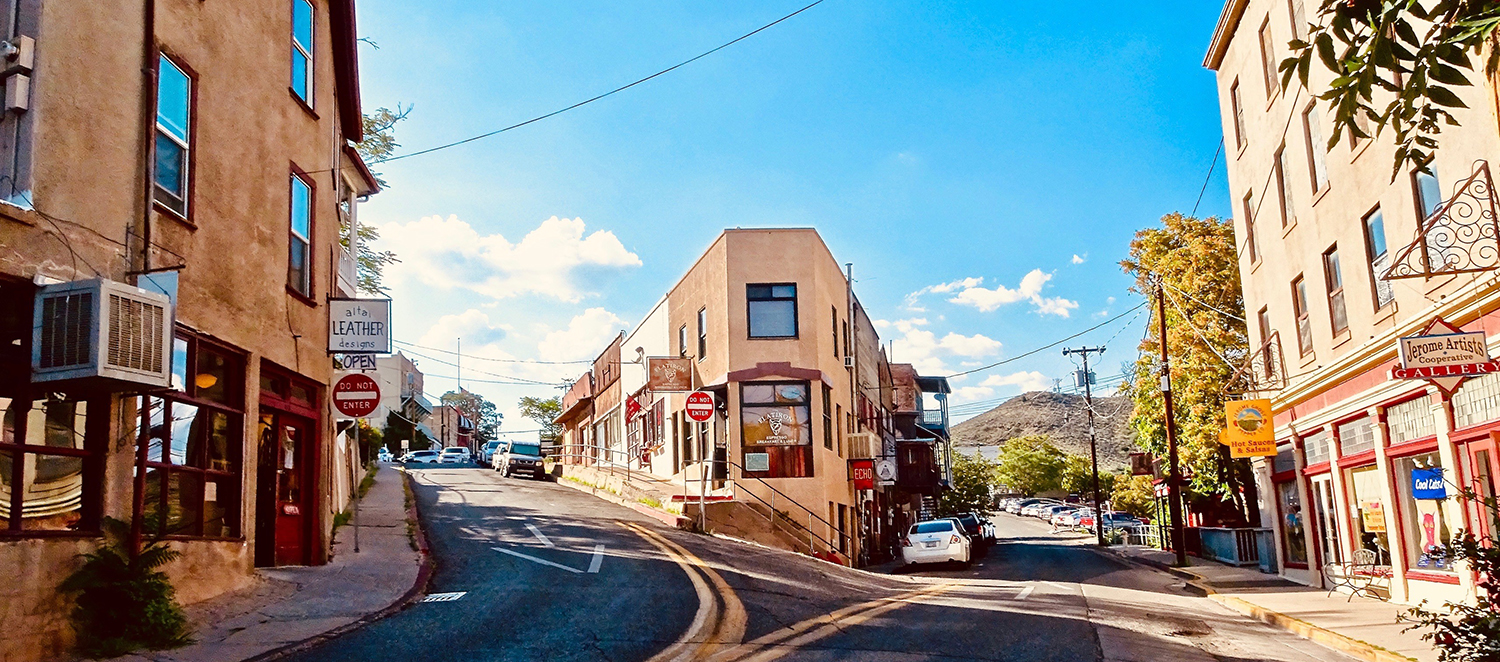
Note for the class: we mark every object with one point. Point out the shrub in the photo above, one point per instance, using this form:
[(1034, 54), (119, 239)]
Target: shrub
[(125, 602)]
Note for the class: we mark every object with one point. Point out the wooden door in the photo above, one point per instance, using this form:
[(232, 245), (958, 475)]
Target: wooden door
[(292, 511), (1484, 479)]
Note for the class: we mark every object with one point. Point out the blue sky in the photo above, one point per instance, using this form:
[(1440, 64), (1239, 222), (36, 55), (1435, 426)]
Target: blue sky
[(983, 165)]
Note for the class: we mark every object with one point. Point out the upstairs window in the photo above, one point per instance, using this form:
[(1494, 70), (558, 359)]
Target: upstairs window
[(682, 341), (174, 96), (1334, 277), (1250, 247), (1317, 149), (1304, 323), (299, 262), (1288, 213), (1268, 59), (702, 333), (1380, 260), (772, 310), (1238, 107), (1263, 319), (1428, 192), (302, 50), (1299, 19)]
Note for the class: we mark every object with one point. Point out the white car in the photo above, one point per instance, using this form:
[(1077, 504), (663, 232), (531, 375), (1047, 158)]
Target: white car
[(486, 452), (936, 541), (1071, 518), (420, 457), (454, 455), (383, 455)]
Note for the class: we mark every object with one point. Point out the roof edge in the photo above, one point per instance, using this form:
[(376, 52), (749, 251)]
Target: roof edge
[(1229, 21), (346, 68)]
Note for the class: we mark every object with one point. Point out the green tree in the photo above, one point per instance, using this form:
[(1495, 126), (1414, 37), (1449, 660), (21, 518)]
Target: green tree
[(543, 411), (1206, 340), (1412, 54), (1135, 495), (1030, 465), (479, 410), (972, 488), (379, 144), (1078, 478)]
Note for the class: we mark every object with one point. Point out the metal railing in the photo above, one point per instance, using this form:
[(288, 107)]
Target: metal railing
[(833, 547)]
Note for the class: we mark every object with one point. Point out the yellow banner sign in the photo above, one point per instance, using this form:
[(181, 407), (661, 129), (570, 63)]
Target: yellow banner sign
[(1250, 432)]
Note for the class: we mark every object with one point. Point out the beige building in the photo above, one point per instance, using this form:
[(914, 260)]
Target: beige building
[(1335, 270), (749, 318), (201, 153)]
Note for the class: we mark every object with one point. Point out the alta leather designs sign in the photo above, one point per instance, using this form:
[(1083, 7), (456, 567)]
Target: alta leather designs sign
[(1444, 355)]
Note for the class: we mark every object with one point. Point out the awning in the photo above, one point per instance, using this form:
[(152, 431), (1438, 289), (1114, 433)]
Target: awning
[(427, 431), (421, 402)]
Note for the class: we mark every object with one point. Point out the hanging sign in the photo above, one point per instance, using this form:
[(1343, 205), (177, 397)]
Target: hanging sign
[(1141, 465), (1250, 432), (1428, 484), (862, 472), (359, 326), (669, 374), (1444, 355), (1372, 513)]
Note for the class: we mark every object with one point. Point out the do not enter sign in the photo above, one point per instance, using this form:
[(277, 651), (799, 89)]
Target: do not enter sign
[(356, 395), (700, 406)]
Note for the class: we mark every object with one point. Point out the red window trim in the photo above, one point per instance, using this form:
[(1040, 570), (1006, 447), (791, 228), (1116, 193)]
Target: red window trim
[(1296, 566), (1358, 459), (1434, 577), (309, 297), (1287, 476), (1316, 469), (1410, 448)]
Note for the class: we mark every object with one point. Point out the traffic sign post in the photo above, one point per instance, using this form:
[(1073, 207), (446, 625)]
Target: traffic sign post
[(700, 409), (356, 396)]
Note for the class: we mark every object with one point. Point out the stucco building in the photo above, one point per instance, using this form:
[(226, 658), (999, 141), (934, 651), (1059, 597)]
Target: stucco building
[(749, 318), (1338, 262), (214, 173)]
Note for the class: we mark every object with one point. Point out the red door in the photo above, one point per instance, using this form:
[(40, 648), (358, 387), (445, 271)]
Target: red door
[(291, 480), (1484, 477)]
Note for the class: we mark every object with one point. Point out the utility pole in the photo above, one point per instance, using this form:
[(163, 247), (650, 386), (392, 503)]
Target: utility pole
[(1174, 478), (1088, 399)]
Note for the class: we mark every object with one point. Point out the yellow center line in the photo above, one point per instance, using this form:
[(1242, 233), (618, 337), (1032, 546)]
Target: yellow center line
[(719, 622), (783, 641)]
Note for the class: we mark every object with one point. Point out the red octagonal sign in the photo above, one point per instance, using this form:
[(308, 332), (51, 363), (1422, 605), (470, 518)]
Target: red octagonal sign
[(356, 395), (700, 406)]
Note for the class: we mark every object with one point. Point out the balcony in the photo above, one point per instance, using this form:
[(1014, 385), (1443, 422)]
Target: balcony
[(932, 402), (347, 274)]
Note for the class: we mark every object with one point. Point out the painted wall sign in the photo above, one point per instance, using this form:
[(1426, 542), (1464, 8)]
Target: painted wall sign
[(359, 326), (1444, 355), (1249, 431), (669, 374), (1428, 484)]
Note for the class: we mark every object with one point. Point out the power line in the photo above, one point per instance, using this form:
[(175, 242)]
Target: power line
[(486, 358), (590, 100), (1209, 177), (521, 380), (1201, 303), (1050, 346)]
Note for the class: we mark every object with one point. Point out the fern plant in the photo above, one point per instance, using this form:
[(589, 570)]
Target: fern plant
[(124, 601)]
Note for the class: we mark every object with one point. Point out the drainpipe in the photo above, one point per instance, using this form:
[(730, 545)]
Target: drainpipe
[(148, 155)]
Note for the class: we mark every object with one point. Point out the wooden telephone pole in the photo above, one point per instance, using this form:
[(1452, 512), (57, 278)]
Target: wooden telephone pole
[(1174, 477), (1088, 399)]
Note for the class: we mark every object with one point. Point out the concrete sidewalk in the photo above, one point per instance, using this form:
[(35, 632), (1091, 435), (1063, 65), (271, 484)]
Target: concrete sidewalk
[(295, 606), (1362, 627)]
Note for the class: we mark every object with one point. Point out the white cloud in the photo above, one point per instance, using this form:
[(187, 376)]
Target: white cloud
[(971, 393), (911, 302), (1028, 381), (973, 346), (1030, 289), (584, 338), (925, 351), (1080, 260), (451, 254), (471, 324)]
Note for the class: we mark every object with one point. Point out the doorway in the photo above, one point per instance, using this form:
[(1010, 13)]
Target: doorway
[(1484, 470), (283, 508), (1325, 512)]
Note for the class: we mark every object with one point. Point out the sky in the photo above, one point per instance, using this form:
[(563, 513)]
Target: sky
[(983, 165)]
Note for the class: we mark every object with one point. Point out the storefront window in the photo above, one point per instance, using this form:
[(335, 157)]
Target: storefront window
[(776, 423), (1293, 530), (1316, 448), (1369, 516), (43, 462), (192, 442), (1423, 489), (1357, 436)]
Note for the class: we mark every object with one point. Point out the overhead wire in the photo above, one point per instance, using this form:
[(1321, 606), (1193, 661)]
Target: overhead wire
[(1050, 345), (486, 358)]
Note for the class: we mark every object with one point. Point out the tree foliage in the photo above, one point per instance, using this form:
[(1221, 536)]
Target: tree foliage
[(1396, 63), (1466, 632), (379, 144), (1205, 344), (1030, 464), (973, 485), (543, 411), (1078, 478), (1135, 495), (482, 412), (371, 263)]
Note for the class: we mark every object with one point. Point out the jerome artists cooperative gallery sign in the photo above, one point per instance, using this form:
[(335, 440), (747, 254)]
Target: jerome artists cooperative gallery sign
[(1444, 355)]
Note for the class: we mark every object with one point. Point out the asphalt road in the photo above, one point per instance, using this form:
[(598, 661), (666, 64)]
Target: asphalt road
[(524, 553)]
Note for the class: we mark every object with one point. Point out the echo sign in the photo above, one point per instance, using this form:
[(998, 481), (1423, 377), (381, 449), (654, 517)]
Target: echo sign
[(359, 326)]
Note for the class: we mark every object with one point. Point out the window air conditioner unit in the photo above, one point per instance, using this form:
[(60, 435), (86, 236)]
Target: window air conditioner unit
[(863, 445), (849, 362), (101, 330)]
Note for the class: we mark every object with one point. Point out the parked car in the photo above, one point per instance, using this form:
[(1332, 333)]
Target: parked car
[(420, 457), (1070, 519), (521, 457), (1045, 513), (486, 451), (987, 532), (1034, 508), (455, 455), (1112, 520), (973, 527), (384, 455), (936, 541)]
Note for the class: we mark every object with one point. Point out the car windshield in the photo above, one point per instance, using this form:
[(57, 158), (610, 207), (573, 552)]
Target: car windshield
[(932, 527), (526, 449)]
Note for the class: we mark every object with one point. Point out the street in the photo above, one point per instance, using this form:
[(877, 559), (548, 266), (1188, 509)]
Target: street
[(549, 572)]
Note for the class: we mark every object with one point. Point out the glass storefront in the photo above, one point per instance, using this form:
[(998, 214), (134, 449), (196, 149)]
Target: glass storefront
[(1293, 527), (1367, 511), (1423, 489)]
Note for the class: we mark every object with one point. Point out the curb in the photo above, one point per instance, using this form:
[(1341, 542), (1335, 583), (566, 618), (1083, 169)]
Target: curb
[(418, 588), (670, 519), (1340, 642)]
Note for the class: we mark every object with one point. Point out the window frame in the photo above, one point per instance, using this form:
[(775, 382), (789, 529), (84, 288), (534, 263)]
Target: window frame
[(827, 417), (702, 332), (1302, 314), (1284, 192), (1333, 280), (188, 146), (1419, 199), (96, 434), (1298, 18), (682, 341), (1317, 151), (1237, 109), (785, 457), (298, 175), (750, 304), (1372, 259), (307, 51), (1268, 59), (1250, 246), (1263, 324)]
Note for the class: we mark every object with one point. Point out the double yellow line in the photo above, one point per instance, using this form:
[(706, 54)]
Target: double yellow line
[(717, 632)]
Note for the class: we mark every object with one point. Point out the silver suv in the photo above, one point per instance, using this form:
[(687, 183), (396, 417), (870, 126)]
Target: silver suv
[(520, 457)]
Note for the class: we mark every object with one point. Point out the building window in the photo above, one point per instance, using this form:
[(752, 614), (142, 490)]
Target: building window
[(1316, 448), (1380, 260), (1250, 247), (776, 420), (1428, 194), (1334, 278), (1268, 59), (1370, 520), (192, 437), (1410, 420), (827, 417), (682, 341), (1317, 151), (1419, 481), (1477, 401), (1356, 436), (174, 107), (833, 314), (302, 50), (846, 338), (1263, 319), (1299, 309), (1284, 192), (702, 333), (1427, 191), (773, 310), (1299, 20), (299, 262), (50, 464), (1360, 131), (1238, 109), (1293, 529)]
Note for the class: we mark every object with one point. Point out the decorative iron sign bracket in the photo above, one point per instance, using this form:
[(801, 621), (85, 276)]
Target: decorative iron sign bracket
[(1263, 371), (1461, 236)]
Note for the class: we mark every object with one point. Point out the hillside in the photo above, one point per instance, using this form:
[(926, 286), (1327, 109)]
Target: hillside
[(1058, 415)]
